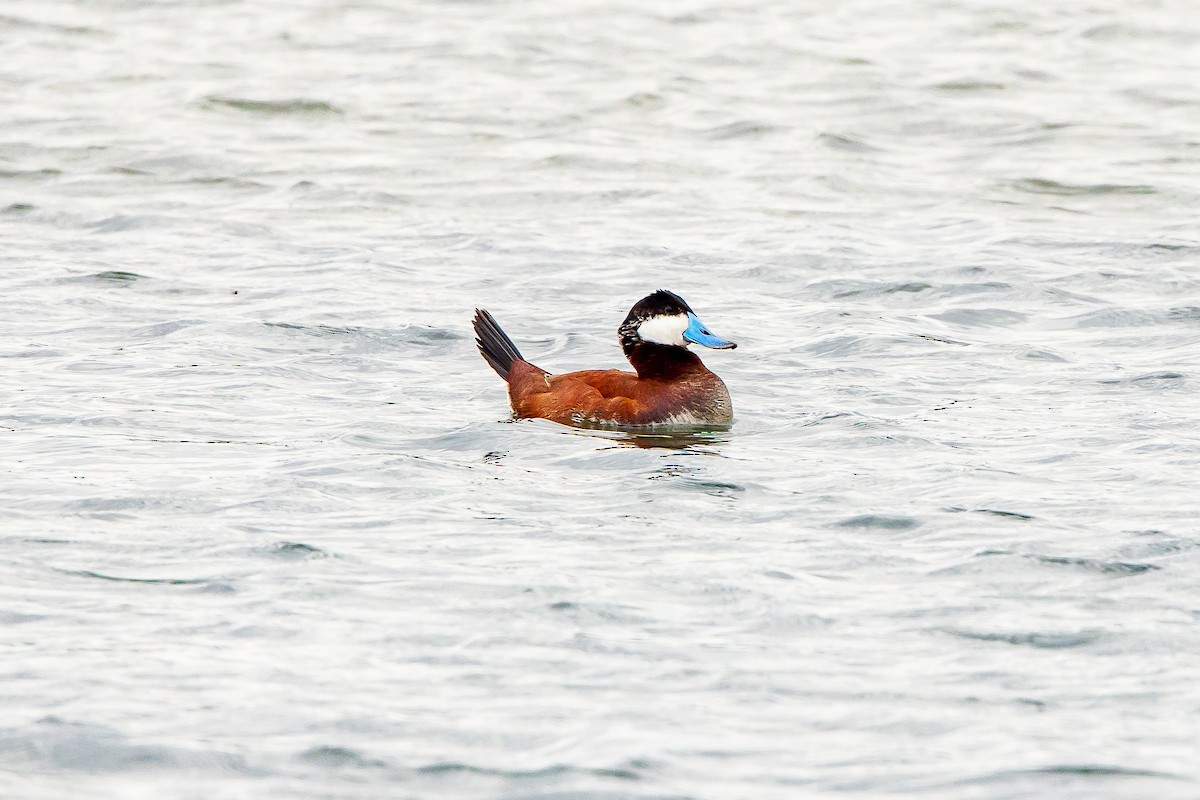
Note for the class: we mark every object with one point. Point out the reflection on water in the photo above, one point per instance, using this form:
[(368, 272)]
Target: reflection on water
[(676, 440), (663, 438)]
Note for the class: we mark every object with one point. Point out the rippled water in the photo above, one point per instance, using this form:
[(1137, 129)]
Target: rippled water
[(268, 529)]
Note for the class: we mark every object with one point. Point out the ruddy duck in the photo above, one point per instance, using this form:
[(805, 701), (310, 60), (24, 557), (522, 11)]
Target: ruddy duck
[(671, 386)]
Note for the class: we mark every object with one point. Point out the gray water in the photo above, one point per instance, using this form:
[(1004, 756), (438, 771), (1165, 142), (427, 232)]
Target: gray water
[(269, 531)]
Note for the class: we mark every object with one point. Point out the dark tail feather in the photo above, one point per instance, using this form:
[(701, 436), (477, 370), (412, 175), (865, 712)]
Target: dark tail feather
[(495, 346)]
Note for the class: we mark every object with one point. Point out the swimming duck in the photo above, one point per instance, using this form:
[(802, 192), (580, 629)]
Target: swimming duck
[(671, 386)]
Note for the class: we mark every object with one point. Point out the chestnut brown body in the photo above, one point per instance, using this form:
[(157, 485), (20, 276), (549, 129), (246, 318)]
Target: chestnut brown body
[(669, 386)]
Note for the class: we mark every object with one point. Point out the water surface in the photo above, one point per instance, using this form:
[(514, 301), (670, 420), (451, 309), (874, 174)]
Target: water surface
[(269, 532)]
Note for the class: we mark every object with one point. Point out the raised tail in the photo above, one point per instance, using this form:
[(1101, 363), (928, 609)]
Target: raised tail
[(495, 346)]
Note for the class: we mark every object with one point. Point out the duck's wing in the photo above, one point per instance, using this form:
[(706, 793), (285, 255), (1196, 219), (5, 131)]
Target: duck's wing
[(574, 397)]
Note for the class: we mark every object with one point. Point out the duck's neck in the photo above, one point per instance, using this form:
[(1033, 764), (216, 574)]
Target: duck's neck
[(662, 362)]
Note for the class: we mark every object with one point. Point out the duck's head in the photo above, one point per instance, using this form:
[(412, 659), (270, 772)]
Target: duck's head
[(665, 318)]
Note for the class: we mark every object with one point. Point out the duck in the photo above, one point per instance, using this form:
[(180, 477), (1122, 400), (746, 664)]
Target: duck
[(669, 387)]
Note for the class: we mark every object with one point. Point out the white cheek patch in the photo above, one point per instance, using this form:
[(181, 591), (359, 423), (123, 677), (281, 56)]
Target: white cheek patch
[(665, 330)]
